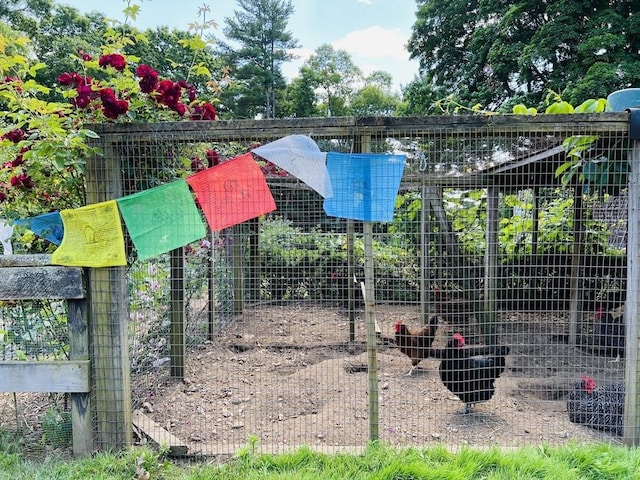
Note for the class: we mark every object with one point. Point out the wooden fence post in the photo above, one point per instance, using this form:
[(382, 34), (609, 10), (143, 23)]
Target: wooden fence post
[(80, 402), (108, 319)]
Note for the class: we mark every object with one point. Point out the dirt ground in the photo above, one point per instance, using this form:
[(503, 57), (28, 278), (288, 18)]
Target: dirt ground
[(289, 377)]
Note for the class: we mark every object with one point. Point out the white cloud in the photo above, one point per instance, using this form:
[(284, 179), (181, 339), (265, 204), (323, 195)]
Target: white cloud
[(374, 42), (366, 2)]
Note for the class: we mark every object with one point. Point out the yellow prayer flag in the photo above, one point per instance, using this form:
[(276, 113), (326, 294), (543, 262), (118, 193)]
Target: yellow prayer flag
[(92, 237)]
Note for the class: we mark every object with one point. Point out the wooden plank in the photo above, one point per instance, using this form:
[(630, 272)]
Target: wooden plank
[(35, 283), (349, 126), (35, 260), (52, 376), (82, 430), (159, 435), (631, 311)]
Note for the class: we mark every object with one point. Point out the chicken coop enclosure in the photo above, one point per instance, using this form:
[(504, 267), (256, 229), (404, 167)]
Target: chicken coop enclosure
[(511, 231)]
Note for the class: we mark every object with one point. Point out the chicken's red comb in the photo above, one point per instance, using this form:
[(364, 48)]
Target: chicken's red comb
[(459, 338), (589, 384)]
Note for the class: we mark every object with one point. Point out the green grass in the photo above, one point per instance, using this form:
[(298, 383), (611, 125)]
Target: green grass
[(379, 462)]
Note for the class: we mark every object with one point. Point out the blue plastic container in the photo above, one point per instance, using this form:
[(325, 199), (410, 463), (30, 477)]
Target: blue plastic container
[(620, 100)]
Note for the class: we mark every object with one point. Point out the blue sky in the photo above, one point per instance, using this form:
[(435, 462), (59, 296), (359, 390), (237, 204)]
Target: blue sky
[(374, 32)]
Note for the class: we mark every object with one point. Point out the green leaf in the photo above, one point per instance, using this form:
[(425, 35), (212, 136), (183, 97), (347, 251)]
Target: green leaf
[(561, 107), (202, 70), (89, 133), (564, 167), (592, 106)]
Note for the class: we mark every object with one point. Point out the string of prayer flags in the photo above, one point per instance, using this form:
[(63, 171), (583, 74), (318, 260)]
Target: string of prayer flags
[(232, 192), (92, 237), (161, 219), (301, 157), (365, 186), (48, 226)]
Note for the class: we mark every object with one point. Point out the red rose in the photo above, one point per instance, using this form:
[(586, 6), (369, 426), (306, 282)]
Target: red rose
[(197, 165), (213, 158), (203, 111), (65, 78), (148, 78), (115, 60), (180, 109), (14, 136), (111, 106), (118, 62), (85, 56)]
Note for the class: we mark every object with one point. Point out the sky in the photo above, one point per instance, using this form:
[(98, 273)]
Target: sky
[(374, 32)]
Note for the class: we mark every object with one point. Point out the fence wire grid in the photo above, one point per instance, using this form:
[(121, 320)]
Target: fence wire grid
[(258, 331)]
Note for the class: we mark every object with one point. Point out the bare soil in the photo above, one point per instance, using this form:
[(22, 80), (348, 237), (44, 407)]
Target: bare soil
[(290, 377)]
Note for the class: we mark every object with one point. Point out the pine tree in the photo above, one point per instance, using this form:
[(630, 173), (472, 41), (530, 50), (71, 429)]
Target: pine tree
[(257, 44)]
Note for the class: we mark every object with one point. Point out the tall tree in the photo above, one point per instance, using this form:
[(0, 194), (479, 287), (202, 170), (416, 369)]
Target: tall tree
[(298, 99), (261, 45), (375, 97), (499, 53), (334, 72)]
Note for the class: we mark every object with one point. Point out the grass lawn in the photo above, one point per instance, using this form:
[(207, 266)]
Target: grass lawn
[(594, 461)]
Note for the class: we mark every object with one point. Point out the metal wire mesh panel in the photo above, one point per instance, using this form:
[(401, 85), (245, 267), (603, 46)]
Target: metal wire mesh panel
[(258, 331), (35, 331)]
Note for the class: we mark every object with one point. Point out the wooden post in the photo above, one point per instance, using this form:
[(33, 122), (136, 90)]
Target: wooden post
[(535, 233), (177, 309), (491, 267), (253, 259), (108, 319), (425, 264), (237, 260), (351, 272), (80, 402), (370, 315), (632, 340), (372, 339), (212, 329), (575, 302)]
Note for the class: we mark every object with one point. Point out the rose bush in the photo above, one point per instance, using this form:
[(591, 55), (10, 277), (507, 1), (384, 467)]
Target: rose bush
[(43, 143)]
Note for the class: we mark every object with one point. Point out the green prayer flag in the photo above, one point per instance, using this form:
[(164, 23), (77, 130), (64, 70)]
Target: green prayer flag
[(162, 219)]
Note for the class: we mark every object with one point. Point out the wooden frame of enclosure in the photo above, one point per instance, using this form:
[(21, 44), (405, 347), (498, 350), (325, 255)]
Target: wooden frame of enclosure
[(107, 286)]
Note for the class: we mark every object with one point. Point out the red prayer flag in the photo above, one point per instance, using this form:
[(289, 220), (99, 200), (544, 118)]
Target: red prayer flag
[(232, 192)]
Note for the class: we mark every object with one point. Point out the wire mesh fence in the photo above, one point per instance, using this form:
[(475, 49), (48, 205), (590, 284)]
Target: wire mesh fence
[(258, 332)]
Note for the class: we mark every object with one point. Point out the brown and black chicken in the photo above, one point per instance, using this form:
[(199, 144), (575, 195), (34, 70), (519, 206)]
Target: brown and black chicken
[(416, 344), (470, 372)]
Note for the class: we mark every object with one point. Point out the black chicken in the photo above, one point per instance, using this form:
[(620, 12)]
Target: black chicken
[(601, 407), (470, 372), (609, 333)]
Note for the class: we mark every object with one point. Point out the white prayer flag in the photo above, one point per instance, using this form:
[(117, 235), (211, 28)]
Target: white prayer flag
[(301, 157), (6, 231)]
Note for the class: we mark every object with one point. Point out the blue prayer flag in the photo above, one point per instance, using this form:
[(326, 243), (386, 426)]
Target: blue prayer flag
[(365, 185), (48, 226)]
